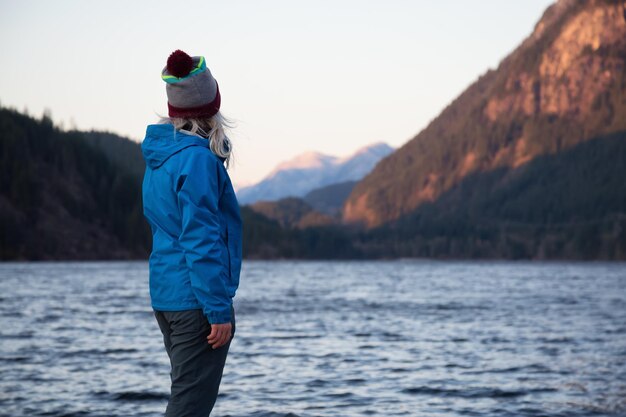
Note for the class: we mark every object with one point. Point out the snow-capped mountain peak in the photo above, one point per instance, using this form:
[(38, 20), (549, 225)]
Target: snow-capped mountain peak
[(306, 160), (311, 170)]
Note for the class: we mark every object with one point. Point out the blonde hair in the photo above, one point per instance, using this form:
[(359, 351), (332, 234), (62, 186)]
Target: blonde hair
[(212, 128)]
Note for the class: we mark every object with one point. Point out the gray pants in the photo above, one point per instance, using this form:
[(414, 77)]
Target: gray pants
[(196, 368)]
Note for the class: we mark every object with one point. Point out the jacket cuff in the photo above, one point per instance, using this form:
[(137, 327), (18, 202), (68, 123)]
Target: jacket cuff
[(219, 317)]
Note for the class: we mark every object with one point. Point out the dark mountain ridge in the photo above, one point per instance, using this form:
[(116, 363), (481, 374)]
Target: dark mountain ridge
[(62, 198)]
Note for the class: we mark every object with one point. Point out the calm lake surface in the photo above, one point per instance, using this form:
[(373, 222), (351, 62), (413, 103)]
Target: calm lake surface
[(379, 338)]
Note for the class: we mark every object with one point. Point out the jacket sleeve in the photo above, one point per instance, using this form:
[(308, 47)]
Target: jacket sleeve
[(198, 193)]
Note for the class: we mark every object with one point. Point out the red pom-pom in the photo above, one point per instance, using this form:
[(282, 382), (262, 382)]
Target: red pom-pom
[(179, 64)]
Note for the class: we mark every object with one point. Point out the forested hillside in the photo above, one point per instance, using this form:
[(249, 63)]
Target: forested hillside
[(565, 84), (61, 198), (569, 205), (77, 195)]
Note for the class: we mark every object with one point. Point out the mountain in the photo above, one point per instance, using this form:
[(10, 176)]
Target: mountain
[(292, 212), (306, 160), (122, 152), (319, 207), (77, 196), (564, 205), (564, 85), (312, 170), (266, 239), (62, 198), (330, 198)]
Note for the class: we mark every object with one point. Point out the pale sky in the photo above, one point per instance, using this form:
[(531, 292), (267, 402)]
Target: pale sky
[(296, 76)]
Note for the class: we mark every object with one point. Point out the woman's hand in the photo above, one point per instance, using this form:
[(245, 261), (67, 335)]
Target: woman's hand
[(220, 334)]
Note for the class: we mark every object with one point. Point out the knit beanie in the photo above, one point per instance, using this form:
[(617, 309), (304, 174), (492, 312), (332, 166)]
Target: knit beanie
[(191, 89)]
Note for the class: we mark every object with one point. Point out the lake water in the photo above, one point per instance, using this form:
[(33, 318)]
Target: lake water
[(379, 338)]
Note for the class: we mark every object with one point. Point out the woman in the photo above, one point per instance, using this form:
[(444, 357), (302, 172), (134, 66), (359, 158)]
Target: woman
[(190, 204)]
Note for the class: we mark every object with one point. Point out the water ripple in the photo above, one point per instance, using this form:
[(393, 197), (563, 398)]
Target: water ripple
[(328, 339)]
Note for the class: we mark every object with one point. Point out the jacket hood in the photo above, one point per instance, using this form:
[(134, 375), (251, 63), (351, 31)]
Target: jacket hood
[(163, 140)]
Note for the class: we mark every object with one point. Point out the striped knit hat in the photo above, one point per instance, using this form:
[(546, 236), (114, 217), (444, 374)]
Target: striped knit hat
[(191, 89)]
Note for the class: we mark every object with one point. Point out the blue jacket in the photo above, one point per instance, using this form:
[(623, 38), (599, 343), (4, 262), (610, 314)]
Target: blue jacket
[(190, 204)]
